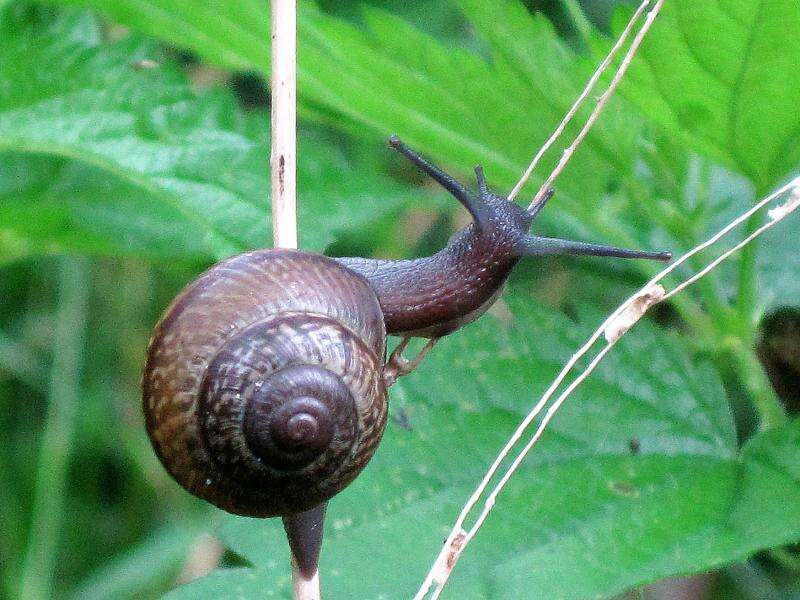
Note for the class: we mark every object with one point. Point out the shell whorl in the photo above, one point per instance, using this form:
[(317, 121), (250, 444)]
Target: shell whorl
[(262, 389)]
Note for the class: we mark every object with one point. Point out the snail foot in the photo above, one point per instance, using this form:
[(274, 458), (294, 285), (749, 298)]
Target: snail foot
[(398, 365)]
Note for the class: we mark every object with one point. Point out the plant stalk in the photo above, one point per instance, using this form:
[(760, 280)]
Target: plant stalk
[(283, 167), (55, 448), (283, 157)]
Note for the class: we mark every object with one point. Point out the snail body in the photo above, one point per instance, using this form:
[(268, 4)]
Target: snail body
[(435, 295), (265, 383)]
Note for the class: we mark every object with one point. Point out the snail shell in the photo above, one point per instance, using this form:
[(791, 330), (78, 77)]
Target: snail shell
[(262, 390)]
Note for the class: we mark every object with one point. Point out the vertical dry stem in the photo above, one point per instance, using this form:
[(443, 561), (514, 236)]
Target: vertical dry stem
[(283, 158), (302, 588), (283, 166)]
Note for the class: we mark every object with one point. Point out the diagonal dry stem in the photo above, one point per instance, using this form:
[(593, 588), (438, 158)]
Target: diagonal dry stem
[(580, 100), (602, 101), (614, 327), (458, 538)]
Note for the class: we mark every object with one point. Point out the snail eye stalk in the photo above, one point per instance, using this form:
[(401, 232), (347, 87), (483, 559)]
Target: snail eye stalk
[(536, 208), (542, 246), (472, 203)]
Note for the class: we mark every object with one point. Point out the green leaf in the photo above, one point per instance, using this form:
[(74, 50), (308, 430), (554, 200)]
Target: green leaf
[(233, 35), (155, 560), (392, 78), (109, 158), (587, 516), (730, 99), (723, 512), (720, 75)]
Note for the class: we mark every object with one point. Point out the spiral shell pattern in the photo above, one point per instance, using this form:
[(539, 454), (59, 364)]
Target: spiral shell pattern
[(262, 390)]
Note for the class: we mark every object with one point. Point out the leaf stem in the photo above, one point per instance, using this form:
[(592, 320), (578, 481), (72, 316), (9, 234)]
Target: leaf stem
[(36, 579), (771, 412), (746, 295), (578, 17)]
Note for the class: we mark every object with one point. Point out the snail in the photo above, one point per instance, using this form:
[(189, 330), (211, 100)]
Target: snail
[(265, 385)]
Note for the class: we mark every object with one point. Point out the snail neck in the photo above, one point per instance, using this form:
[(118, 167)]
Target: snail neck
[(435, 295)]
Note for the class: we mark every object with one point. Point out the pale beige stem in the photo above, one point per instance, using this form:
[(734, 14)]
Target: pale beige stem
[(283, 158), (584, 94), (283, 168), (601, 102), (304, 589)]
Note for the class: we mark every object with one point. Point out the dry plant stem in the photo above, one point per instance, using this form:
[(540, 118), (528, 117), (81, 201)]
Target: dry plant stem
[(304, 589), (283, 157), (584, 94), (601, 102), (283, 167), (458, 538), (653, 293)]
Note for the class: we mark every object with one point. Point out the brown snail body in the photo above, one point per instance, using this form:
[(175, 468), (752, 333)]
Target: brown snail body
[(265, 384)]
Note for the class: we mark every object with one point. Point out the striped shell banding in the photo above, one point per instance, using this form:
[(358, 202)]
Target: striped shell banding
[(263, 391)]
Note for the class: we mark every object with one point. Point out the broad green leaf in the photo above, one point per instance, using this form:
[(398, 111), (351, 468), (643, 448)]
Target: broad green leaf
[(587, 516), (105, 157), (389, 77), (738, 507), (155, 560), (720, 75), (457, 105), (230, 33), (717, 75)]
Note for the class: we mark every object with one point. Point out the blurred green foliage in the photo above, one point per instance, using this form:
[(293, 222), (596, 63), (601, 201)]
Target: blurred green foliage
[(122, 175)]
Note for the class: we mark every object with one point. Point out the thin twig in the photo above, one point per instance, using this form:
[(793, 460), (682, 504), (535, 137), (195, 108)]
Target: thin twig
[(584, 94), (601, 102), (651, 293), (304, 589), (283, 166), (283, 158)]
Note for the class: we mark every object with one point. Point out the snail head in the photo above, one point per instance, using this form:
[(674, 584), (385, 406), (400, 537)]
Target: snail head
[(509, 223)]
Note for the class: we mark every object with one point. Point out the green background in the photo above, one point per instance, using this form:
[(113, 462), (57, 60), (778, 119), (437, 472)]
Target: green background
[(134, 153)]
